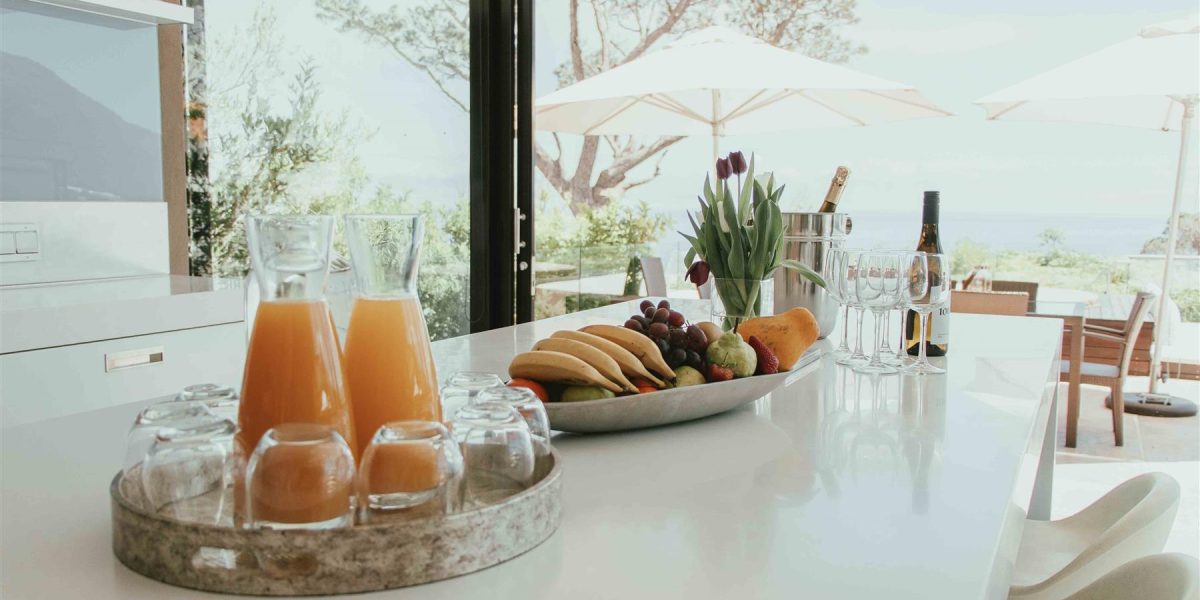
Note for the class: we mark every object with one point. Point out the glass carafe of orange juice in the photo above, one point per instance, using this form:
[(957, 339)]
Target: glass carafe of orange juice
[(389, 362), (294, 371)]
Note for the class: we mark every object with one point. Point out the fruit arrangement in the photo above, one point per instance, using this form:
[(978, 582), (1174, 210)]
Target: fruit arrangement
[(659, 349)]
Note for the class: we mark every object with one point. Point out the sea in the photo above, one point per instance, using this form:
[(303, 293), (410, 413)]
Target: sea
[(1102, 235)]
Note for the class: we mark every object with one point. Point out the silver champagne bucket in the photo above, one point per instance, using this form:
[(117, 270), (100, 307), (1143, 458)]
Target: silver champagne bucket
[(808, 238)]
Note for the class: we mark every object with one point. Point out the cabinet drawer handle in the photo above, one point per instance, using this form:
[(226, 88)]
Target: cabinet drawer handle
[(129, 359)]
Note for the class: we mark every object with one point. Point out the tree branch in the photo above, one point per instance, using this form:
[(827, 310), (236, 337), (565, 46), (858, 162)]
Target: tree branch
[(673, 15), (576, 50)]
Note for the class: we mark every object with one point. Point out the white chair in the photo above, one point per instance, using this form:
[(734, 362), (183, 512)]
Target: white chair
[(654, 275), (1156, 577), (1059, 558)]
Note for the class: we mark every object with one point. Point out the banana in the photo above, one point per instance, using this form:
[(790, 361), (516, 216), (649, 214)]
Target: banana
[(544, 365), (630, 365), (638, 344), (600, 361)]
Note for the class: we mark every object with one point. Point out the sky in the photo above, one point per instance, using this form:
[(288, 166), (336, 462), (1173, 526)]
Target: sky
[(952, 51)]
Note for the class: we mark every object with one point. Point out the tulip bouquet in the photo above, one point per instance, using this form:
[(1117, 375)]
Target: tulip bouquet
[(739, 238)]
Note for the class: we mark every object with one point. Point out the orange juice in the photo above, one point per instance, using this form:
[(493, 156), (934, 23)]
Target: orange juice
[(389, 365), (293, 373)]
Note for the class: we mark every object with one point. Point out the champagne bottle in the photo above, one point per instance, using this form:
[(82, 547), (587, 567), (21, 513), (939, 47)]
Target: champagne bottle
[(835, 190), (937, 332)]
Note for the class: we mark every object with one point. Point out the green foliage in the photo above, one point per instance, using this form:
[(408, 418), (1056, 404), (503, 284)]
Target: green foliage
[(966, 255), (1187, 240), (1189, 304)]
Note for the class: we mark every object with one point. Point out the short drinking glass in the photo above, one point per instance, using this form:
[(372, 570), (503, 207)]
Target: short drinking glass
[(301, 476), (409, 469), (186, 474), (497, 451), (465, 385)]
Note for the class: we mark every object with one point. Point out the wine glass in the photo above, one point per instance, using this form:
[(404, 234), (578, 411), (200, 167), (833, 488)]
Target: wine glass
[(901, 358), (834, 260), (847, 288), (876, 287), (926, 289)]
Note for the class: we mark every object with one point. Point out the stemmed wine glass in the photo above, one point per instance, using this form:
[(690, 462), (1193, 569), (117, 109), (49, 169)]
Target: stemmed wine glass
[(925, 290), (848, 290), (835, 261), (877, 286)]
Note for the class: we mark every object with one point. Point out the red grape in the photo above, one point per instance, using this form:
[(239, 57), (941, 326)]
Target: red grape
[(694, 361), (659, 330), (661, 315), (696, 339), (677, 338), (663, 348), (649, 312), (634, 325), (676, 357), (664, 304), (644, 305), (675, 318)]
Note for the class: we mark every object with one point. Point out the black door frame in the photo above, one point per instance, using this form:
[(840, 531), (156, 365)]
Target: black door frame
[(501, 170)]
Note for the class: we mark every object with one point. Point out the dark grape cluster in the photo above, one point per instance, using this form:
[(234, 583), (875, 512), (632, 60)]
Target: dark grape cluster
[(680, 343)]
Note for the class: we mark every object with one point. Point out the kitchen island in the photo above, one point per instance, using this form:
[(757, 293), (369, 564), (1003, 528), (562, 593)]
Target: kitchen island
[(837, 485)]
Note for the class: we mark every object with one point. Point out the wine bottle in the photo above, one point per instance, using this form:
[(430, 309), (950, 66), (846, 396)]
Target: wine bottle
[(835, 190), (937, 332)]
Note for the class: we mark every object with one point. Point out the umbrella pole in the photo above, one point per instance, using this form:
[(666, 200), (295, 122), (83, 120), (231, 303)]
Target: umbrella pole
[(1153, 403)]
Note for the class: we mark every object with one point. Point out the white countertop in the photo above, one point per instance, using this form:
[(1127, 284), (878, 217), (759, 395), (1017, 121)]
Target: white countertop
[(837, 486)]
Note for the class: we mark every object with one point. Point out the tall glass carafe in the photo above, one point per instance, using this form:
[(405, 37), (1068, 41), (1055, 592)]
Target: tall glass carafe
[(294, 371), (389, 362)]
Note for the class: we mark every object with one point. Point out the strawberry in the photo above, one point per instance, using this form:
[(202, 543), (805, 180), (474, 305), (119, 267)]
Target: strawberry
[(716, 372), (768, 363)]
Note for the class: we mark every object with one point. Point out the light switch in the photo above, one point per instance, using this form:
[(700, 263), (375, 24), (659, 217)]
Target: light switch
[(26, 242), (8, 243)]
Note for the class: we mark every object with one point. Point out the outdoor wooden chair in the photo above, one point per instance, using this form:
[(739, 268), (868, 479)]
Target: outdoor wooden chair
[(1013, 304), (1113, 376), (1029, 287)]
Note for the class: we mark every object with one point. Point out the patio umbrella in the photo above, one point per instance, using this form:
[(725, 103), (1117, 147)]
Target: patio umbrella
[(1151, 80), (717, 82)]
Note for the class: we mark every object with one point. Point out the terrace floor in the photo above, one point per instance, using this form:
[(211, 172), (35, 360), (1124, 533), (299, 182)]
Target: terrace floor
[(1095, 466)]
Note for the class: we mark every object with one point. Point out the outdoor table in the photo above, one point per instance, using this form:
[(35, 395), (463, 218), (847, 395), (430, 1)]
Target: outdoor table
[(837, 485), (1074, 315)]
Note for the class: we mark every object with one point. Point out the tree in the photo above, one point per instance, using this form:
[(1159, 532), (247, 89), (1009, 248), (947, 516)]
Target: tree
[(1187, 239), (295, 157), (434, 39)]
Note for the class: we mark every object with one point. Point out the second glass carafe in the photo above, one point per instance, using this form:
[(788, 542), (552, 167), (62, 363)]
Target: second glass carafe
[(389, 362)]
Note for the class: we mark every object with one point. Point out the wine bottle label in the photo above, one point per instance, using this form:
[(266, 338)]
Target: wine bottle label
[(939, 331)]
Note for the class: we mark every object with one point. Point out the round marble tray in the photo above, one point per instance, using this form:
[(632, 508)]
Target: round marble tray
[(323, 562)]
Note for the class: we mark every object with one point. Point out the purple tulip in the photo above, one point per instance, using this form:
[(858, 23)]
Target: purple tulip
[(697, 273), (723, 169), (737, 162)]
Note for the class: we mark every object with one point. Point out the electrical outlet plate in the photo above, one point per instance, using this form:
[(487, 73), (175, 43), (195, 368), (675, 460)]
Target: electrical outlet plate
[(25, 229)]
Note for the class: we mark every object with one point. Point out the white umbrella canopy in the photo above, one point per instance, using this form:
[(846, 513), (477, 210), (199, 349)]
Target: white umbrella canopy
[(717, 81), (1151, 80), (1140, 82)]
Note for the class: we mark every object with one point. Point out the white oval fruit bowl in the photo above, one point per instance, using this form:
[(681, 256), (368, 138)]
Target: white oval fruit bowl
[(668, 406)]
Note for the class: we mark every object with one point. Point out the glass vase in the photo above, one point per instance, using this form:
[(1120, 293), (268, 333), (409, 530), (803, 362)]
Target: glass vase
[(736, 300)]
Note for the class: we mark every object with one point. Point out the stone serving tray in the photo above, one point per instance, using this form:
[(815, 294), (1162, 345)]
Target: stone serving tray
[(362, 558), (668, 406)]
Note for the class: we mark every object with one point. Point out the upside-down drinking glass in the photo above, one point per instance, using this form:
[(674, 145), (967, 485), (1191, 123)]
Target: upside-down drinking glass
[(497, 451), (829, 272), (186, 473), (926, 289), (877, 285), (301, 476), (222, 400), (409, 469), (531, 409), (150, 421), (465, 385)]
